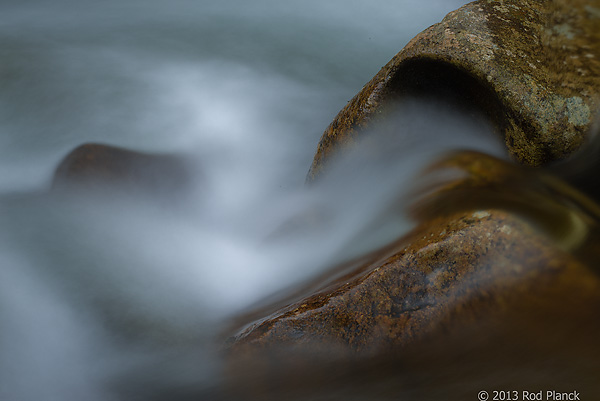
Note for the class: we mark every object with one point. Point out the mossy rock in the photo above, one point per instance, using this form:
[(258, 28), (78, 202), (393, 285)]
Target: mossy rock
[(532, 66)]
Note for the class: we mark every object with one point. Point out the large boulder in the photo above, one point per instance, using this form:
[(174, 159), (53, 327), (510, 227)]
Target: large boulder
[(532, 66)]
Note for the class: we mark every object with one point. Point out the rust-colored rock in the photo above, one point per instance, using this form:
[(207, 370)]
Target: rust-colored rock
[(510, 286), (98, 167), (481, 181), (532, 66), (493, 232), (498, 287), (471, 302), (447, 274)]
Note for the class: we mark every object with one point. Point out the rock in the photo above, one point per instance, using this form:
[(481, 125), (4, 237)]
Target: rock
[(498, 287), (489, 233), (447, 275), (480, 281), (96, 167), (476, 301), (481, 181), (533, 67)]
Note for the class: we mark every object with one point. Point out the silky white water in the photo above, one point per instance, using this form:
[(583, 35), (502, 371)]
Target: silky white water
[(111, 297)]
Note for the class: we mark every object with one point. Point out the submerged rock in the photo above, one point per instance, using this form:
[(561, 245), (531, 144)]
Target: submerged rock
[(533, 67), (97, 167), (501, 272)]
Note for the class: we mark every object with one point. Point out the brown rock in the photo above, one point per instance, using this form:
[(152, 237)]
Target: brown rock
[(532, 66), (490, 229), (474, 302), (93, 167), (498, 295), (448, 274), (484, 182), (498, 287)]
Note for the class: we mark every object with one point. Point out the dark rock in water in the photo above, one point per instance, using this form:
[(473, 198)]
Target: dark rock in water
[(504, 294), (95, 167), (532, 66)]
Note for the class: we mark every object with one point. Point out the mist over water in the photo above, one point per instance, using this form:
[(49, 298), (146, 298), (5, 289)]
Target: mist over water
[(109, 296)]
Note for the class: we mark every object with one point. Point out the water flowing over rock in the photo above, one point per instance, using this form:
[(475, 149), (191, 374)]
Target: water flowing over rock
[(517, 275), (445, 275), (533, 67), (500, 230), (500, 275)]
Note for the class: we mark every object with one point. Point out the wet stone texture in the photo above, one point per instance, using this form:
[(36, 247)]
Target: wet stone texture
[(448, 274), (506, 294), (498, 286), (532, 66), (469, 300), (562, 213)]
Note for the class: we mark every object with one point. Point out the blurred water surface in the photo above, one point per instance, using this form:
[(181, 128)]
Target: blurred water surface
[(98, 293)]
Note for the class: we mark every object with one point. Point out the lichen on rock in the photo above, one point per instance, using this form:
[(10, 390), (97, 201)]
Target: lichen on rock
[(533, 68)]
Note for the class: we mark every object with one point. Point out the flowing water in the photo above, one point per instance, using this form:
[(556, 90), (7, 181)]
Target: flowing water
[(110, 297)]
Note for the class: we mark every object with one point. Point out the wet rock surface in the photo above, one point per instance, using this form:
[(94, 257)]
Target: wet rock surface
[(448, 274), (562, 213), (98, 167), (499, 280), (498, 285), (533, 67), (395, 300), (467, 302), (500, 275)]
